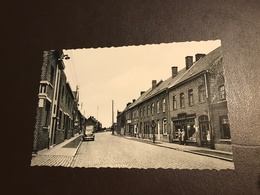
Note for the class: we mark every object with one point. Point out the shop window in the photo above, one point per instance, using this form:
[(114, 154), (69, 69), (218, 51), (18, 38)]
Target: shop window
[(191, 130), (202, 93), (164, 126), (222, 92), (163, 105), (158, 107), (190, 95), (225, 129), (174, 102), (182, 100)]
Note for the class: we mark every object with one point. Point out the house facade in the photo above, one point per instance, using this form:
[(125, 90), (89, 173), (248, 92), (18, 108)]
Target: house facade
[(57, 108), (191, 103), (93, 121)]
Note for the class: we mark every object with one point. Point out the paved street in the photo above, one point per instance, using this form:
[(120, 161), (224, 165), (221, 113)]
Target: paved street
[(114, 151)]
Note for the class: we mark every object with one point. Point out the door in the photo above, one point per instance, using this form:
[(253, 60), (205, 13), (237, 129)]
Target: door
[(158, 130)]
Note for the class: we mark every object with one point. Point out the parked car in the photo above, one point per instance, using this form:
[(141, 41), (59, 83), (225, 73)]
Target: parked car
[(88, 133)]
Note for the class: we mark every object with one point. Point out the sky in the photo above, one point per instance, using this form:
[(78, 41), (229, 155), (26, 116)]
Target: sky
[(119, 74)]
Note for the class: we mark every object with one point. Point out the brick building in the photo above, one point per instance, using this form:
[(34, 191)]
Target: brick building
[(93, 121), (57, 106), (192, 100), (198, 105)]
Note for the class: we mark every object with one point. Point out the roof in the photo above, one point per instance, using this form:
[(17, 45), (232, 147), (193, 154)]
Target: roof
[(199, 66), (183, 75)]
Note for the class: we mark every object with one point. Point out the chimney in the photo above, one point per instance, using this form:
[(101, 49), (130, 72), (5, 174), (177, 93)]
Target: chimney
[(174, 71), (128, 104), (154, 84), (189, 61), (199, 55), (133, 100), (142, 92)]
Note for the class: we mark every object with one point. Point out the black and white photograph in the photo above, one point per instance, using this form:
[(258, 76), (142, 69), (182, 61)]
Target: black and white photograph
[(130, 97), (147, 106)]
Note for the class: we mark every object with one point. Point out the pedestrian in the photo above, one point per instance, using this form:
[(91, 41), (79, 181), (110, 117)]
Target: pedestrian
[(179, 136), (183, 137)]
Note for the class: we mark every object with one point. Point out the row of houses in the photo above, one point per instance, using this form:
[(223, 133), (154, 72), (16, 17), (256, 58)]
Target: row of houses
[(192, 102), (58, 117)]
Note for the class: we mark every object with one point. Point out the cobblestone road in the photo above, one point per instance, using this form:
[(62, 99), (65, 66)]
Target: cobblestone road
[(113, 151)]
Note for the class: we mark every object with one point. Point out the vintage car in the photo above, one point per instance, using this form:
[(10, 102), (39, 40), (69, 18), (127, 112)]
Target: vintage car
[(88, 133)]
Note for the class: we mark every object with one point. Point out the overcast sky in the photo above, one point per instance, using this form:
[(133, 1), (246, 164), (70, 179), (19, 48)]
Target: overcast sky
[(120, 74)]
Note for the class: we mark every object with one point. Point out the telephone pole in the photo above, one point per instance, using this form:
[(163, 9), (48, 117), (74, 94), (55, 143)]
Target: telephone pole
[(112, 117)]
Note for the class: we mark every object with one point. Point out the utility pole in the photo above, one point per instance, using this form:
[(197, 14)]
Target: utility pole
[(112, 117)]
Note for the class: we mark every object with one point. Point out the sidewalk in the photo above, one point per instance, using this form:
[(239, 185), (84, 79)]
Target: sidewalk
[(223, 155), (67, 148)]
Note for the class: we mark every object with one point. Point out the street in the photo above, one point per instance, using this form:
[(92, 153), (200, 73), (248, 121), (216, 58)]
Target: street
[(118, 152)]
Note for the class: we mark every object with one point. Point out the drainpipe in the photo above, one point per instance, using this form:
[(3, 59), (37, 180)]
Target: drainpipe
[(206, 79), (168, 115), (54, 104)]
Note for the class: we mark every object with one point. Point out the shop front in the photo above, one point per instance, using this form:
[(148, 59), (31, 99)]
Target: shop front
[(184, 129), (204, 131)]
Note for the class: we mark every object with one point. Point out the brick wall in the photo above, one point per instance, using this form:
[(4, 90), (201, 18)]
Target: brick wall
[(198, 108)]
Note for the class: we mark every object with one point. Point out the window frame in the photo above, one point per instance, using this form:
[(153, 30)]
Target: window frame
[(163, 105), (174, 102), (202, 93), (191, 97), (222, 92), (182, 100)]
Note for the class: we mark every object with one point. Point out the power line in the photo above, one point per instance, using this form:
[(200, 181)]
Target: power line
[(73, 66)]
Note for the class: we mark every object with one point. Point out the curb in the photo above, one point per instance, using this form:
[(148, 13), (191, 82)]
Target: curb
[(77, 148), (209, 155), (183, 150)]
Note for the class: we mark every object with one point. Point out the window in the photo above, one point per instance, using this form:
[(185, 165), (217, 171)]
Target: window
[(127, 116), (141, 110), (163, 105), (43, 88), (52, 75), (68, 102), (174, 102), (62, 92), (190, 94), (202, 93), (182, 100), (60, 117), (164, 126), (152, 109), (148, 110), (225, 130), (158, 107), (47, 109), (222, 92)]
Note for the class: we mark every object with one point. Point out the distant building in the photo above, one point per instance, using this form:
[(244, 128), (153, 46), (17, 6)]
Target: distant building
[(93, 121), (192, 100)]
